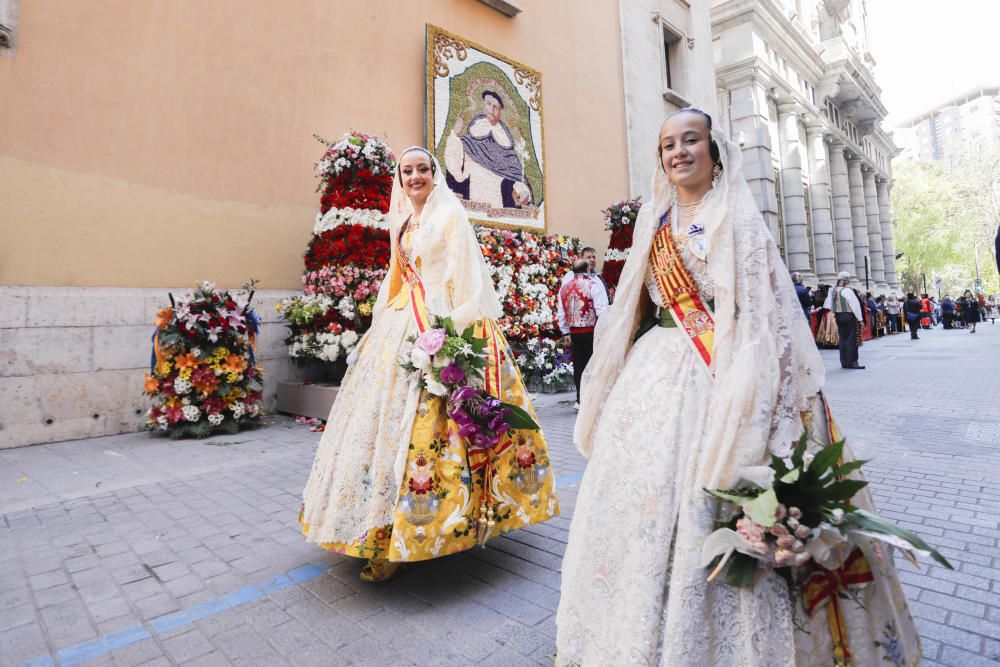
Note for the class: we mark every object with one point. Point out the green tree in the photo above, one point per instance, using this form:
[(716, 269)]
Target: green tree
[(943, 211)]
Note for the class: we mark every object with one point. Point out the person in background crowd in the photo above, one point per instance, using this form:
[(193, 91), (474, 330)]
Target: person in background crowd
[(846, 306), (590, 255), (892, 313), (805, 298), (881, 320), (912, 309), (935, 311), (947, 311), (872, 322), (925, 309), (971, 310), (826, 323), (582, 300), (991, 309)]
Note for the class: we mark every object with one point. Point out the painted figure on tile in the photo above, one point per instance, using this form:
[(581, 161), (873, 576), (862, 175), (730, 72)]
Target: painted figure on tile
[(482, 162)]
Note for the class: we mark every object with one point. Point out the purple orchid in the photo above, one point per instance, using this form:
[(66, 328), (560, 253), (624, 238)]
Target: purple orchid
[(452, 374)]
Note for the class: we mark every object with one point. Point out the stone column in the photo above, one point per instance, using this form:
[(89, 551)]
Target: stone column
[(819, 194), (750, 117), (859, 216), (876, 252), (792, 192), (888, 239), (842, 209)]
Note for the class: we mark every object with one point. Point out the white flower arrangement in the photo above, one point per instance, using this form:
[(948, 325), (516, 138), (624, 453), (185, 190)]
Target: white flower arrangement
[(613, 254), (324, 346), (182, 386), (346, 307), (191, 413), (367, 217)]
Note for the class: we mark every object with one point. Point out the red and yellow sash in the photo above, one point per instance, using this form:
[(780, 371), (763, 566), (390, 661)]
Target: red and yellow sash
[(680, 292)]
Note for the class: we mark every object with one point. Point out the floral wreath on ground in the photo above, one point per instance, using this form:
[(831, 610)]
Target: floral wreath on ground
[(203, 376)]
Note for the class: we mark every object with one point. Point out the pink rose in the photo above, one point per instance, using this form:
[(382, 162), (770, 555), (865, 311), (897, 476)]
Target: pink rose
[(431, 341)]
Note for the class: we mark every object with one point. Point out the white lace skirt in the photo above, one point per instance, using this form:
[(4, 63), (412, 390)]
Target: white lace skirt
[(634, 591), (358, 468)]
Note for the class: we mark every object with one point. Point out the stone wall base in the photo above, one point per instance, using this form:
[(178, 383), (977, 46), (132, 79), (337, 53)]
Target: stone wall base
[(72, 359), (309, 400)]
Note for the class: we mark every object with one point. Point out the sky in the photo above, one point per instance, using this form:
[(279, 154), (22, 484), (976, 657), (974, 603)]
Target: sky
[(928, 51)]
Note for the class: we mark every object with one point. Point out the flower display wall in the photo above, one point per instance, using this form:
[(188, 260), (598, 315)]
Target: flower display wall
[(619, 219), (347, 258), (203, 377), (527, 269)]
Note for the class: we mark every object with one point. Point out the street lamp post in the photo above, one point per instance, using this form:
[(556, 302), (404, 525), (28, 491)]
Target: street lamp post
[(979, 282)]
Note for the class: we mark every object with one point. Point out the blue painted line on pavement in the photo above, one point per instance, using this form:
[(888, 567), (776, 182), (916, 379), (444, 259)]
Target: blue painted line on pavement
[(94, 648)]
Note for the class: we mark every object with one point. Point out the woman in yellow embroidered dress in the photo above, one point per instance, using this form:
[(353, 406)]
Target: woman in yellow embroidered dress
[(727, 375), (392, 480)]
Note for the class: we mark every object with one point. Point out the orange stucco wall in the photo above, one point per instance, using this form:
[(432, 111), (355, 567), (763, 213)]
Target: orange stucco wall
[(160, 143)]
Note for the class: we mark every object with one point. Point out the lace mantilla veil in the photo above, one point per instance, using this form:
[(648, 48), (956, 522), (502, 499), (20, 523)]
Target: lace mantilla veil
[(766, 363), (455, 275)]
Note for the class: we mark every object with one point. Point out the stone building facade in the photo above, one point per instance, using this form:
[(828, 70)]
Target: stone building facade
[(796, 89), (133, 167), (667, 65)]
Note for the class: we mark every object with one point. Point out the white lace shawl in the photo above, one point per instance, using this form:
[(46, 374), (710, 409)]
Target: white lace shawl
[(765, 360), (455, 276)]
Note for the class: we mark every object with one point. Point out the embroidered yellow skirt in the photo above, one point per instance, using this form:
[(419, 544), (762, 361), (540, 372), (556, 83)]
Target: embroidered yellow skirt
[(435, 501)]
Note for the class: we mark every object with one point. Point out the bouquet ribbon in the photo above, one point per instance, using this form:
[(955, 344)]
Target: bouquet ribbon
[(680, 292), (823, 586)]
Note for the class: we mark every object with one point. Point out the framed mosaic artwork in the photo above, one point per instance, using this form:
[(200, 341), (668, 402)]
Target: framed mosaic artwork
[(484, 124)]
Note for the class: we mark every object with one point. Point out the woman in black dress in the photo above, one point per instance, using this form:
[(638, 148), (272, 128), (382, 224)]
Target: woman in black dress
[(970, 310)]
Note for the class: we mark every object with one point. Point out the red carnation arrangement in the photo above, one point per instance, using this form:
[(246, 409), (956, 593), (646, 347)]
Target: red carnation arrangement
[(619, 219)]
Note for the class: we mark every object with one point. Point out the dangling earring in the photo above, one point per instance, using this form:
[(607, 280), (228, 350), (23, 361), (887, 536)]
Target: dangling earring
[(716, 173)]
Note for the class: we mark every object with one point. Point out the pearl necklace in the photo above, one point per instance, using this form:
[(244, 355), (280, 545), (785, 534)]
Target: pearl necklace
[(689, 210)]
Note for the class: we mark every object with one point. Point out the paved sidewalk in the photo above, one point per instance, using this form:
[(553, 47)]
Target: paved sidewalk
[(131, 550)]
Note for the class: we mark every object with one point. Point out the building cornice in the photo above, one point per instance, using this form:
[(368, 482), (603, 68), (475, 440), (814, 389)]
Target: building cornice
[(779, 32)]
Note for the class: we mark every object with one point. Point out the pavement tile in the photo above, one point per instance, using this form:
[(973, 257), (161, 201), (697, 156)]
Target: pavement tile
[(188, 646), (180, 535)]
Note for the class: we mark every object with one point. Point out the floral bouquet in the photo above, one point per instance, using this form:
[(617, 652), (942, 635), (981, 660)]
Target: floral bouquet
[(804, 523), (621, 214), (452, 366), (203, 376)]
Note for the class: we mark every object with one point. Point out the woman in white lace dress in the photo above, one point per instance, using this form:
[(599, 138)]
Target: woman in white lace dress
[(393, 481), (725, 377)]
